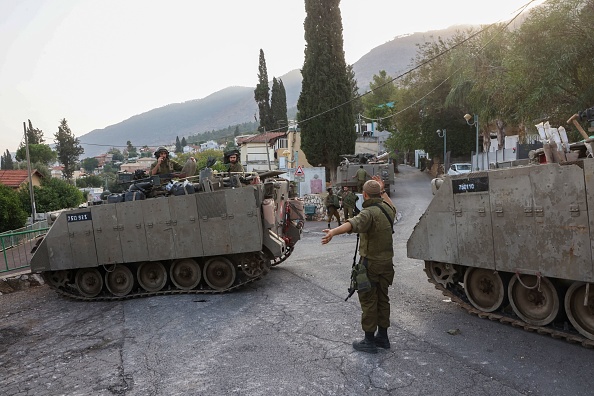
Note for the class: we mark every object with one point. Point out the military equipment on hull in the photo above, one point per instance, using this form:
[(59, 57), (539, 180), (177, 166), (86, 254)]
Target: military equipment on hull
[(373, 166), (517, 239), (223, 232)]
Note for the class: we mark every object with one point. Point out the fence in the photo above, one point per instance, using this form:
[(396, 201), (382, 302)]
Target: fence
[(16, 246)]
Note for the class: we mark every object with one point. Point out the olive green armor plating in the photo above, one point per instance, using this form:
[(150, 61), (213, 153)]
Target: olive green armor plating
[(519, 240), (213, 240)]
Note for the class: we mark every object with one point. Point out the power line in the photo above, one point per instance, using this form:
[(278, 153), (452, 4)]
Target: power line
[(519, 11)]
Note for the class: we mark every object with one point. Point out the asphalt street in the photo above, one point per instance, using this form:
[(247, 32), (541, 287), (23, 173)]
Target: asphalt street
[(287, 334)]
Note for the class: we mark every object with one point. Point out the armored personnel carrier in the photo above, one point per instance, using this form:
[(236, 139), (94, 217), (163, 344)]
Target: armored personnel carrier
[(515, 244), (373, 166), (207, 234)]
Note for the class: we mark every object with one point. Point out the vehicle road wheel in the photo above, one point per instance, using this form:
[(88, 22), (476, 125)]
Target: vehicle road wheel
[(535, 301), (119, 281), (185, 274), (57, 279), (484, 289), (441, 273), (580, 310), (89, 282), (219, 273), (151, 276)]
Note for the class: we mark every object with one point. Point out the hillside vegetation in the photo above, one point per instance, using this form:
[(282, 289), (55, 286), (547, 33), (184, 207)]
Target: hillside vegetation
[(235, 105)]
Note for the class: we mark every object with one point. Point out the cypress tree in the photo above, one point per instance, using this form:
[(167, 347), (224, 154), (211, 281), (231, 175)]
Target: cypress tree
[(325, 114), (68, 149), (262, 96), (34, 135), (178, 145), (7, 163), (278, 105)]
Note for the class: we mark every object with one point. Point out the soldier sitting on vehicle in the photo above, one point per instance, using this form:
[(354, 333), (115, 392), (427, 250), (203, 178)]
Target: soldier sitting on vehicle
[(234, 164), (164, 165)]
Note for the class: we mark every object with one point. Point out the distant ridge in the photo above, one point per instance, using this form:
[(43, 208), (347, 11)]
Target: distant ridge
[(235, 105)]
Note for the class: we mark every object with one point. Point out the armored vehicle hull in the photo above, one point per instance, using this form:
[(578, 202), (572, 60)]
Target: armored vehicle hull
[(346, 171), (214, 240), (516, 240)]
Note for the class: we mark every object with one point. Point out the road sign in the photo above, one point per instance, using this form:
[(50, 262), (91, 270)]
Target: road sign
[(299, 171)]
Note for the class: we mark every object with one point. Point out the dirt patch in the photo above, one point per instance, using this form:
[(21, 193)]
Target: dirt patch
[(20, 282)]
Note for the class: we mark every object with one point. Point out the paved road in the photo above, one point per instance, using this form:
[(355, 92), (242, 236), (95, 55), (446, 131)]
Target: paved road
[(288, 334)]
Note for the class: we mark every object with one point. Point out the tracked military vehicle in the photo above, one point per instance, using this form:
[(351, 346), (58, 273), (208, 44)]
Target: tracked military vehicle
[(373, 166), (515, 244), (206, 234)]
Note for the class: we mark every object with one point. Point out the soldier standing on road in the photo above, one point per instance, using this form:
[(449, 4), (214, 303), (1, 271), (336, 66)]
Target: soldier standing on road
[(361, 176), (164, 165), (332, 205), (376, 250), (349, 200)]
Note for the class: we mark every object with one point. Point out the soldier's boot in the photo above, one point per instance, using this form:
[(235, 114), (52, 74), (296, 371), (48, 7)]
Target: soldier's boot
[(339, 223), (381, 338), (367, 344), (328, 225)]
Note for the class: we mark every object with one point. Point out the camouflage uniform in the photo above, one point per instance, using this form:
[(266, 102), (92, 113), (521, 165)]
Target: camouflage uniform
[(349, 200), (377, 247), (235, 167), (361, 175), (167, 166), (332, 206)]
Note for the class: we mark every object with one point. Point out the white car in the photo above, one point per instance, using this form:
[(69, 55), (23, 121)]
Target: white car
[(459, 169)]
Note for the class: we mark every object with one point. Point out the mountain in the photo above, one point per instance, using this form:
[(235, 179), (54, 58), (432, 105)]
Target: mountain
[(236, 105), (396, 56)]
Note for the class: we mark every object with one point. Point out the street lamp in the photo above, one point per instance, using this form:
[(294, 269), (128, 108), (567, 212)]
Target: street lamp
[(442, 134), (467, 117)]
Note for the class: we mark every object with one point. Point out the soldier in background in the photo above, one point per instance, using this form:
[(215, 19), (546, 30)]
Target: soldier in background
[(332, 204), (164, 164), (361, 177), (349, 200)]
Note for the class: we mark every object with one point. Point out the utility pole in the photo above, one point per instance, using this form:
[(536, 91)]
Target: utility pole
[(31, 193)]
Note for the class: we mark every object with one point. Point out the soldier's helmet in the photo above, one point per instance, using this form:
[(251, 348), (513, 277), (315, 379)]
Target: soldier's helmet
[(161, 149)]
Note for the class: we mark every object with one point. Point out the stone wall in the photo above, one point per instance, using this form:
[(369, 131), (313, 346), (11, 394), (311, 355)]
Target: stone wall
[(318, 201)]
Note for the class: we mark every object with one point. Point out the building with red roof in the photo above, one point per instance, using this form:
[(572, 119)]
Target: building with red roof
[(16, 179)]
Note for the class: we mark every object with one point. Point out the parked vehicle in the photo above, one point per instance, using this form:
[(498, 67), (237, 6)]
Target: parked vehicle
[(459, 169), (347, 169)]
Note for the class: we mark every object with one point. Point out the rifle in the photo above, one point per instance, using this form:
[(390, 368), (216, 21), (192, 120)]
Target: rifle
[(353, 287)]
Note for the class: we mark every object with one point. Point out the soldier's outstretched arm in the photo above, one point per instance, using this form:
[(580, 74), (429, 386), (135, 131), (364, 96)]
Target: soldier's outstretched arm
[(342, 229)]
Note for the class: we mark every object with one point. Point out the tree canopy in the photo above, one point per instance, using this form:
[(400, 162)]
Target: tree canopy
[(278, 106), (34, 135), (53, 194), (6, 161), (12, 214), (37, 153), (262, 96), (90, 164), (325, 115), (540, 71), (68, 149)]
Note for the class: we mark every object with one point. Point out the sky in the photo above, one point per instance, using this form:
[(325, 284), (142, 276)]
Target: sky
[(96, 63)]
